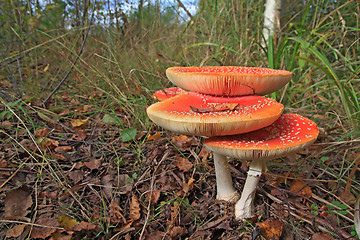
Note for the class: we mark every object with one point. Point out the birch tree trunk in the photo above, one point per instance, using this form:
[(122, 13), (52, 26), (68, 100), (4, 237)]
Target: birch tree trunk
[(271, 19)]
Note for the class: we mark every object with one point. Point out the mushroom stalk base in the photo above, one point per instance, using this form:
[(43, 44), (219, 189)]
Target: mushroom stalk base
[(244, 208), (224, 185)]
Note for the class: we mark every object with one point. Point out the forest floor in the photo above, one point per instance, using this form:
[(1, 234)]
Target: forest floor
[(72, 172)]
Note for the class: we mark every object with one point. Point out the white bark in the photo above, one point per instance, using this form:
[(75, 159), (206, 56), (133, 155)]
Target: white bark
[(224, 185), (244, 208), (271, 19)]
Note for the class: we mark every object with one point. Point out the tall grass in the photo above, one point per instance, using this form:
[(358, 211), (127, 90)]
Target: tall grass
[(318, 41)]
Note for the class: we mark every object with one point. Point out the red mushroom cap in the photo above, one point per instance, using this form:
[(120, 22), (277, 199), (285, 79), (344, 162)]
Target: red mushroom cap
[(289, 134), (203, 115), (229, 80), (166, 93)]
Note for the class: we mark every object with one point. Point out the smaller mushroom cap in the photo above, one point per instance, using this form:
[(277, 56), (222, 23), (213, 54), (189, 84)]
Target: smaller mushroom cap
[(229, 80), (289, 134), (166, 93), (204, 115)]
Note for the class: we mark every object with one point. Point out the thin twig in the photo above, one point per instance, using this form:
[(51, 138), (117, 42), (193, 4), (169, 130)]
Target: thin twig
[(31, 224), (20, 91), (185, 9)]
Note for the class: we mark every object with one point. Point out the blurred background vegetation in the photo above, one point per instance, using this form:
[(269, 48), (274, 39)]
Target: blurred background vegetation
[(127, 46)]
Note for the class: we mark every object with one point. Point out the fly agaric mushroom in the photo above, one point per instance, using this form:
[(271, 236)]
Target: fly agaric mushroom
[(287, 135), (203, 115), (229, 80), (167, 93)]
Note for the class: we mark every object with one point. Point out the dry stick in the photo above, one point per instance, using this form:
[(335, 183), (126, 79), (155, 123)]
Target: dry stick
[(72, 66), (31, 224), (185, 9)]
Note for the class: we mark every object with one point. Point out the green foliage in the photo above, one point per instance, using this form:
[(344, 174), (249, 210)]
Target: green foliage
[(314, 210), (338, 207), (128, 134), (52, 16)]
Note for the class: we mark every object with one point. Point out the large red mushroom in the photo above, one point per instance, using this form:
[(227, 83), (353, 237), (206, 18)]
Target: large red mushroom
[(229, 80), (289, 134), (203, 115)]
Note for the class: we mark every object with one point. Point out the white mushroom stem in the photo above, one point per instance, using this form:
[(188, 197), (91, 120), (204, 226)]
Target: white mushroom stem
[(244, 208), (224, 185)]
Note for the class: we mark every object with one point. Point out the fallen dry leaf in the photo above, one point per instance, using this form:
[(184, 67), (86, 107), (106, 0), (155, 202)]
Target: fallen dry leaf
[(80, 134), (3, 163), (175, 210), (46, 143), (347, 197), (154, 194), (182, 142), (217, 107), (76, 123), (66, 222), (124, 186), (64, 112), (270, 229), (180, 138), (115, 213), (76, 176), (17, 203), (156, 235), (46, 231), (60, 236), (93, 163), (78, 165), (43, 132), (154, 136), (6, 124), (301, 188), (204, 156), (58, 156), (183, 163), (46, 68), (74, 101), (126, 226), (107, 181), (322, 236), (134, 208), (16, 231), (83, 226), (63, 149), (187, 187), (177, 232), (278, 179)]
